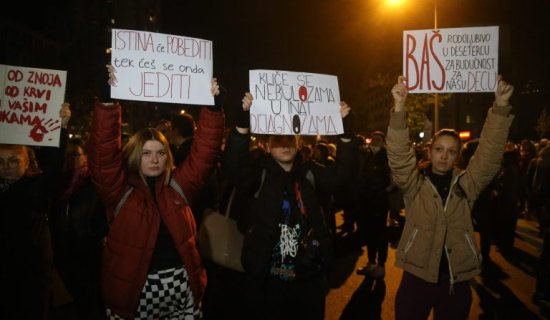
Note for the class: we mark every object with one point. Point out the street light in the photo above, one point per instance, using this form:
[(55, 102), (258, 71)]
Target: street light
[(395, 3), (436, 95)]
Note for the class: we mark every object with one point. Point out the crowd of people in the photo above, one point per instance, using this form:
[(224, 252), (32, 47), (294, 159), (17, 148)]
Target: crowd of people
[(107, 228)]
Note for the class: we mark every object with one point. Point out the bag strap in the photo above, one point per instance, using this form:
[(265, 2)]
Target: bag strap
[(173, 183), (122, 200), (228, 208), (257, 193)]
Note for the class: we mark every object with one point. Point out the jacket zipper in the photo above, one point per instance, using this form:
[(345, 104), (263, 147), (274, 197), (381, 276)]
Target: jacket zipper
[(472, 247), (451, 276), (411, 239)]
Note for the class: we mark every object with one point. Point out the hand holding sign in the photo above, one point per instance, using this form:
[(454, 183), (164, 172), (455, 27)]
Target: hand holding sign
[(112, 78), (247, 101), (503, 93), (65, 114), (347, 120), (215, 87), (399, 93), (344, 109), (243, 114)]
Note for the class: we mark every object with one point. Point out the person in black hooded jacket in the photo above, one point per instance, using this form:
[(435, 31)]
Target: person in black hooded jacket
[(287, 246), (25, 243)]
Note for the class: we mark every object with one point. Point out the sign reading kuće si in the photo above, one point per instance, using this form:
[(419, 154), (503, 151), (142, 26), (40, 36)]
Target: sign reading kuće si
[(294, 103), (161, 67), (30, 101), (451, 60)]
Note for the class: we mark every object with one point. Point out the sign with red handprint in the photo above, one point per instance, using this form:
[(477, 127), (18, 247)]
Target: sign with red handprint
[(30, 100)]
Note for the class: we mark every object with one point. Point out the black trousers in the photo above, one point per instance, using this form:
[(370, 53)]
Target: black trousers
[(276, 300), (416, 297)]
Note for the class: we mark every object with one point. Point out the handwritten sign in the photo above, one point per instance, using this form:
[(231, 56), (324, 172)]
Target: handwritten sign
[(161, 67), (451, 60), (294, 103), (30, 101)]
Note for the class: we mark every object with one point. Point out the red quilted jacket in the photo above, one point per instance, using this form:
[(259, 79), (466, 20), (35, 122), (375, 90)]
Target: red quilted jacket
[(133, 234)]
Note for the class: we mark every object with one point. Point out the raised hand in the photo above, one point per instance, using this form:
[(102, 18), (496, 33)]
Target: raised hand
[(247, 101), (65, 114), (112, 78), (399, 93), (344, 109), (503, 92), (215, 87)]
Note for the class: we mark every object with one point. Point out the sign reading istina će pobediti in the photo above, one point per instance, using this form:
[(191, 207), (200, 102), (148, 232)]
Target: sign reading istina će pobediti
[(161, 67)]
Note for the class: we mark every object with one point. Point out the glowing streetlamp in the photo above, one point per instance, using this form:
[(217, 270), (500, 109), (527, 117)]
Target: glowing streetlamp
[(396, 3)]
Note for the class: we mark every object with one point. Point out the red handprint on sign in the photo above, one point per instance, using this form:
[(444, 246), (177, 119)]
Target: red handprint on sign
[(39, 130)]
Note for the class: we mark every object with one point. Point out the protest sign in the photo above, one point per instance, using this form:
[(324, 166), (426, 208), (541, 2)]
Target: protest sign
[(294, 103), (161, 67), (451, 60), (30, 101)]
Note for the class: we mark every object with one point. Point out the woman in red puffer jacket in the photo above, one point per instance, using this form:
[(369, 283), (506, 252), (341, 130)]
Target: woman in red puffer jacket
[(151, 265)]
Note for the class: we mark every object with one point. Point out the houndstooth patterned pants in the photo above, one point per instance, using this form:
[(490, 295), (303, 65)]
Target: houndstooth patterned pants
[(166, 295)]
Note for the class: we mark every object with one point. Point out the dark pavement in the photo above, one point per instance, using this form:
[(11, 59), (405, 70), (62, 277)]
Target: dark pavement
[(503, 292)]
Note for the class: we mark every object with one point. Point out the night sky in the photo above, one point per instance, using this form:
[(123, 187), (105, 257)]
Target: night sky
[(352, 39)]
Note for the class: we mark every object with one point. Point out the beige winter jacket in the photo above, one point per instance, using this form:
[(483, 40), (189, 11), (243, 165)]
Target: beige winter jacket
[(432, 229)]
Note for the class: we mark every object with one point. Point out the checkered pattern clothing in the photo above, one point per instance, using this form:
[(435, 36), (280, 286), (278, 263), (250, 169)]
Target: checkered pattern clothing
[(166, 295)]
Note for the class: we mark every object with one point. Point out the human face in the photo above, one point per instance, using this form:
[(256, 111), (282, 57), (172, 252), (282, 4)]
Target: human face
[(13, 164), (377, 141), (153, 158), (78, 158), (443, 153), (283, 149)]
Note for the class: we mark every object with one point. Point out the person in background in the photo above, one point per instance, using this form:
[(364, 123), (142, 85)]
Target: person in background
[(151, 264), (25, 242), (181, 137), (438, 251), (507, 194), (79, 225), (541, 190), (165, 127), (371, 190), (483, 211), (321, 154)]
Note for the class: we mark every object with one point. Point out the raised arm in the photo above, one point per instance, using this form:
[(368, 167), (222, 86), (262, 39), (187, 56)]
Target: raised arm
[(486, 160), (195, 170), (401, 156), (104, 153)]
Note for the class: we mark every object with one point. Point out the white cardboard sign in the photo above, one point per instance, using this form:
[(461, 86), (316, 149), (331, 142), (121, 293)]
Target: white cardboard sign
[(30, 101), (451, 60), (161, 67), (288, 102)]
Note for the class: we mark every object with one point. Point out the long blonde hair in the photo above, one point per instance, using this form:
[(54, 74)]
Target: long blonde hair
[(133, 150)]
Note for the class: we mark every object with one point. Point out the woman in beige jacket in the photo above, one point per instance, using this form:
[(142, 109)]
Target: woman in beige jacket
[(438, 251)]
